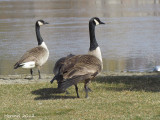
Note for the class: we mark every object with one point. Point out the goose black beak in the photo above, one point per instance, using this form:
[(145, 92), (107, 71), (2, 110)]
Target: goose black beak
[(46, 23), (102, 23)]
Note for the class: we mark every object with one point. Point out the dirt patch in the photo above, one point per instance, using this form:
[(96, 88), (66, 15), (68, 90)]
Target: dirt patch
[(24, 79)]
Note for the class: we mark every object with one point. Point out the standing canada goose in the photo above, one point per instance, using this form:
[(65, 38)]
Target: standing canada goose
[(81, 68), (37, 56)]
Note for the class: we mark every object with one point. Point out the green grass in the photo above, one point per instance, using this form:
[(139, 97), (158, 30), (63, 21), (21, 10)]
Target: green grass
[(112, 98)]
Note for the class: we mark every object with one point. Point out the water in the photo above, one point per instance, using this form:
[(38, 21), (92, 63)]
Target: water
[(129, 40)]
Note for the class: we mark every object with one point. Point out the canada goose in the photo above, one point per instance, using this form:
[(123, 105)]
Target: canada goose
[(37, 56), (81, 68)]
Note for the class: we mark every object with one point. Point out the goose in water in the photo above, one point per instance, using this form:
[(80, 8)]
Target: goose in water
[(37, 56), (75, 69)]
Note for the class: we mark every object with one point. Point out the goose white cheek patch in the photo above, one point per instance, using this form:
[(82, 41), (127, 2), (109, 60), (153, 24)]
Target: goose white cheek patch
[(28, 65), (40, 23), (97, 23)]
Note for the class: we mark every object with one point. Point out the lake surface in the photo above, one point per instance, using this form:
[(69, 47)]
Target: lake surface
[(129, 41)]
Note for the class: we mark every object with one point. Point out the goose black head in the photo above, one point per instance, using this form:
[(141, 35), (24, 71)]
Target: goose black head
[(41, 22), (96, 21)]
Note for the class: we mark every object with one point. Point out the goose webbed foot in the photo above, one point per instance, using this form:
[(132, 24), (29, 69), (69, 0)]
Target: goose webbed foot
[(51, 81)]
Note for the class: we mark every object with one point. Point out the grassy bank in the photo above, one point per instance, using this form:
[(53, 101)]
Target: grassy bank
[(113, 97)]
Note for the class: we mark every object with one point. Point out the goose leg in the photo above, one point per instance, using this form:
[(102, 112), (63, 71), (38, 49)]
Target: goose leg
[(31, 71), (87, 89), (39, 74), (53, 79), (77, 91)]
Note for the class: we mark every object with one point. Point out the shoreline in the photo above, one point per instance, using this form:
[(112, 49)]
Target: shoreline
[(24, 78)]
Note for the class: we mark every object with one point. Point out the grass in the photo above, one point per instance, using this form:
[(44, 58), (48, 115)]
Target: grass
[(112, 98)]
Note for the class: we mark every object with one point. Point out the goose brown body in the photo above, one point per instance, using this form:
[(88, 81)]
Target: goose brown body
[(39, 55), (80, 68)]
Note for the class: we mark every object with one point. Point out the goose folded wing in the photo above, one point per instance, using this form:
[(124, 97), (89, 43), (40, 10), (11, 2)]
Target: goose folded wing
[(80, 64), (78, 73), (31, 55), (60, 62)]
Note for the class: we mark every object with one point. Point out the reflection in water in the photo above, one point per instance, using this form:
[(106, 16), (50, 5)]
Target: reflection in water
[(129, 41)]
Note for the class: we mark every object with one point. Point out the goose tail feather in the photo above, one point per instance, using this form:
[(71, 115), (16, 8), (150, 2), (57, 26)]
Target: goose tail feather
[(17, 65), (62, 86)]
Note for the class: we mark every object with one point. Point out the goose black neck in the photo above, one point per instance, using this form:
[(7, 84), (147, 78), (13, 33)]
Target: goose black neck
[(93, 42), (39, 38)]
